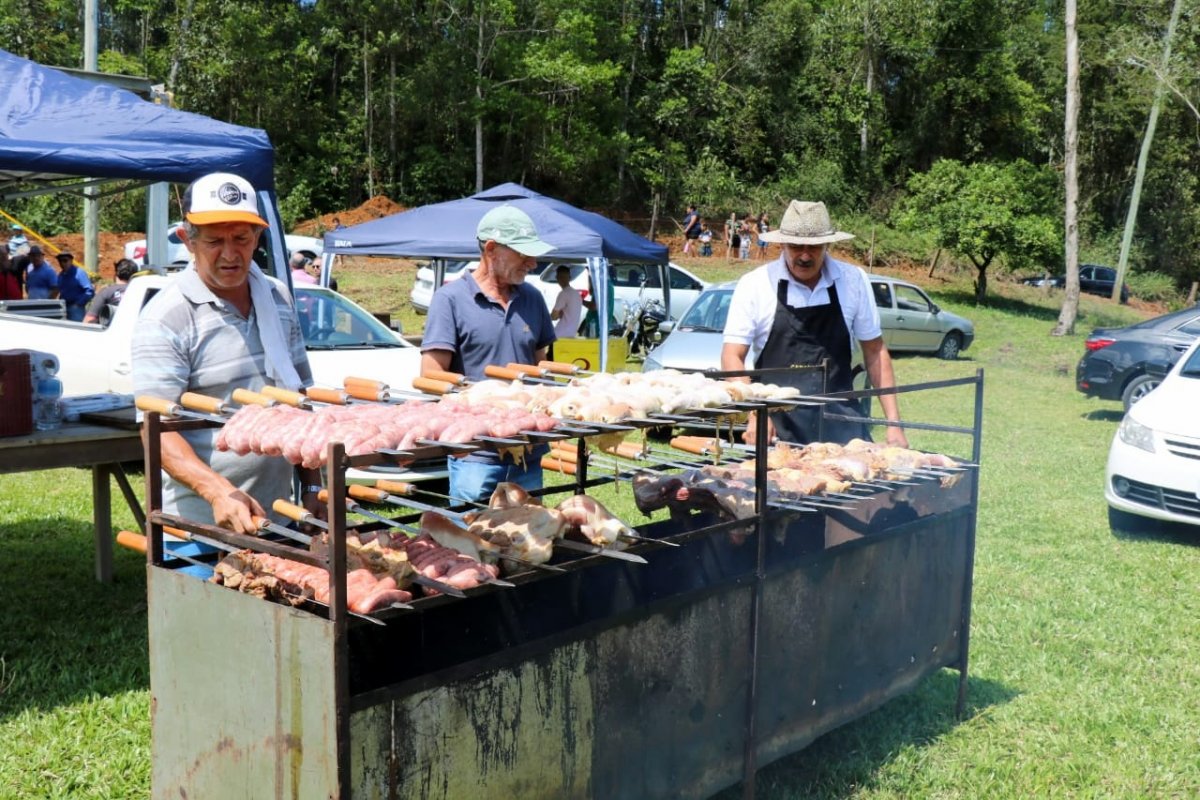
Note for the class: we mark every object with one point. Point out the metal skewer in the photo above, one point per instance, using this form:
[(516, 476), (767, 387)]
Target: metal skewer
[(301, 514)]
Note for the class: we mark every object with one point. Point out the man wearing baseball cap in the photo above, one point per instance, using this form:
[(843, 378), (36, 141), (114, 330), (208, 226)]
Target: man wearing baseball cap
[(806, 308), (221, 324), (491, 317), (41, 281), (74, 287)]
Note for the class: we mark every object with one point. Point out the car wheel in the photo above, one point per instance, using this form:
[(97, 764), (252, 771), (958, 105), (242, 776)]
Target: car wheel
[(951, 345), (1138, 388)]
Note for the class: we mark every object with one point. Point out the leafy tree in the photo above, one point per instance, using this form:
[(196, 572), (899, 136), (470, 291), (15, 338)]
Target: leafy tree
[(986, 210)]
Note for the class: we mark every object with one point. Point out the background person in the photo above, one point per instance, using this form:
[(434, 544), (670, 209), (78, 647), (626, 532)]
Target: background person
[(691, 228), (803, 308), (11, 284), (219, 325), (568, 306), (299, 264), (109, 297), (491, 316), (41, 279), (74, 287)]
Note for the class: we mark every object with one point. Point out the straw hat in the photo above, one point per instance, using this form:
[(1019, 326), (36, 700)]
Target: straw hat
[(805, 223)]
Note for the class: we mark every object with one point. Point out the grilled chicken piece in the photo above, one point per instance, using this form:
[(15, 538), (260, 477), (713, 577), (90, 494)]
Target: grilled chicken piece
[(527, 531), (588, 517), (511, 495), (294, 582)]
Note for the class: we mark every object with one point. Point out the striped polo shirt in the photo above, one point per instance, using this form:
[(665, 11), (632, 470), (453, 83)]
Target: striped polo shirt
[(189, 340)]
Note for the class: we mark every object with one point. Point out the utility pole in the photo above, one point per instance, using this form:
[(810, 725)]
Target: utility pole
[(1143, 157), (1070, 307), (91, 207)]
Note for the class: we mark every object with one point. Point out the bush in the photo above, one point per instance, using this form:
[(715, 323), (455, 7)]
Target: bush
[(1154, 287)]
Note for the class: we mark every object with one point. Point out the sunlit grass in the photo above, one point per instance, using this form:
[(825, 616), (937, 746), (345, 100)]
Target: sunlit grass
[(1085, 646)]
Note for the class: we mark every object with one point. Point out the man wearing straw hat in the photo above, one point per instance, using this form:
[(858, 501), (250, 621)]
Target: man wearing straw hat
[(806, 308)]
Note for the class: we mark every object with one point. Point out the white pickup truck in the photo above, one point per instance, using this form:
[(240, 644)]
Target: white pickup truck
[(342, 339)]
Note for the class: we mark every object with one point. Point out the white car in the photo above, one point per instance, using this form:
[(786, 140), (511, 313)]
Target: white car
[(1154, 462), (177, 252), (627, 284)]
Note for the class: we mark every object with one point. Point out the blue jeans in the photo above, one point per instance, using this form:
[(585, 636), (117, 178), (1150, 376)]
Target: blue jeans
[(476, 480), (76, 311)]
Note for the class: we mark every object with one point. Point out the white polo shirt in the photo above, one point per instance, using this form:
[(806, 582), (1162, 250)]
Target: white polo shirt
[(752, 309)]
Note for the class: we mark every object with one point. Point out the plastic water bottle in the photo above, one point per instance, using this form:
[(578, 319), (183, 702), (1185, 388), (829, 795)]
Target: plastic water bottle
[(47, 406)]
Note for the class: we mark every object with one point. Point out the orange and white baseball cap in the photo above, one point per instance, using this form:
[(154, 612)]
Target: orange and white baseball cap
[(221, 197)]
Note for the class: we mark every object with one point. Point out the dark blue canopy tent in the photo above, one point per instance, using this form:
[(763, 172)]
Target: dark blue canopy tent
[(447, 231), (63, 133)]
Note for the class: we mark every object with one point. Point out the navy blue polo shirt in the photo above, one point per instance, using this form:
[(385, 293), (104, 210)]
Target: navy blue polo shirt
[(479, 331)]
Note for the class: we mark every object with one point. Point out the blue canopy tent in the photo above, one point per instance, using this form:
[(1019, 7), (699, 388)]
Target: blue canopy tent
[(447, 231), (63, 133)]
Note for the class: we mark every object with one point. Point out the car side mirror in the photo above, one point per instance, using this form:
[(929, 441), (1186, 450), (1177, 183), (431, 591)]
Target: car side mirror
[(935, 308), (1158, 369), (666, 326)]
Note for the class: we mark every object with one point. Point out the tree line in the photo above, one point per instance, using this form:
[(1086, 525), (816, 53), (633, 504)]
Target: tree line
[(877, 107)]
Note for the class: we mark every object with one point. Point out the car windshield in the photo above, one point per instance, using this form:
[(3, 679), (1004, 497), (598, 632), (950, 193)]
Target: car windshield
[(331, 321), (708, 313), (1191, 367)]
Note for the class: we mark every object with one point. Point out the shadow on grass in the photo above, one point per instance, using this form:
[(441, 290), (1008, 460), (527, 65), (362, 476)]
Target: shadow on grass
[(64, 637), (1104, 415), (1135, 529), (997, 302), (843, 762)]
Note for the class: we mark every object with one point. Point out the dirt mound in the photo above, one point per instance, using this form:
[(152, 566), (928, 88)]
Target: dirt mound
[(375, 208)]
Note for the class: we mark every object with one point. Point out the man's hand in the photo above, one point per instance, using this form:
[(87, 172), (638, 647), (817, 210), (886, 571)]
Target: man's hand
[(750, 437), (235, 511), (896, 437)]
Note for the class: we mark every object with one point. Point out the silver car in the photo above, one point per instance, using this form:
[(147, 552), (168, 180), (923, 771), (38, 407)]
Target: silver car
[(910, 320)]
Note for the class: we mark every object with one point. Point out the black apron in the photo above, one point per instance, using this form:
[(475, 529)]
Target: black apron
[(808, 336)]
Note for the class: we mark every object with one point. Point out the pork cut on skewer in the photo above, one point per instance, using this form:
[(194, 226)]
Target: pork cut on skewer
[(587, 517)]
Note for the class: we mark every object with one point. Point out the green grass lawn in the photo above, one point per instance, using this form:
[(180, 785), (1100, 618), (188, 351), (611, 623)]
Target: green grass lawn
[(1085, 642)]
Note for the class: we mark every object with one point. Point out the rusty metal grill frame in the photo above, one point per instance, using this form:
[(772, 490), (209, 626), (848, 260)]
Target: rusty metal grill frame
[(348, 701)]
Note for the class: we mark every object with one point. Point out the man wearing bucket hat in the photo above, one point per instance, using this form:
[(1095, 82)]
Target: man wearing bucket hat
[(491, 317), (804, 308), (221, 324)]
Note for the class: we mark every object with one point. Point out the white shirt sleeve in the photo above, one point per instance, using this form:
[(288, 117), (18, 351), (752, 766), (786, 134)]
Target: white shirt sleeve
[(866, 316), (744, 324)]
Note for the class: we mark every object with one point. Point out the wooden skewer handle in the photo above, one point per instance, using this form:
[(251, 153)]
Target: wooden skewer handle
[(559, 367), (147, 403), (698, 445), (557, 466), (284, 395), (564, 446), (569, 456), (248, 398), (394, 487), (431, 386), (378, 386), (260, 522), (364, 392), (290, 510), (502, 373), (202, 402), (360, 492), (442, 375), (134, 541), (627, 450), (178, 533), (527, 369), (335, 396)]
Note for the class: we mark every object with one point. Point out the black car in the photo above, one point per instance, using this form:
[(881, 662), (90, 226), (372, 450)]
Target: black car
[(1093, 279), (1115, 365)]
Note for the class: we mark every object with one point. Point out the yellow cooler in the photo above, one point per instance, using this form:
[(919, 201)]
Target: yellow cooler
[(585, 353)]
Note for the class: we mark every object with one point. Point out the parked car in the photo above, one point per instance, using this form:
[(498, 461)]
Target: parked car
[(914, 323), (1116, 361), (177, 252), (627, 284), (1093, 279), (1154, 463), (910, 320)]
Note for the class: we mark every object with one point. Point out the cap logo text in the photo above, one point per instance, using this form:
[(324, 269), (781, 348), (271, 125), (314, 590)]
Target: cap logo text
[(229, 194)]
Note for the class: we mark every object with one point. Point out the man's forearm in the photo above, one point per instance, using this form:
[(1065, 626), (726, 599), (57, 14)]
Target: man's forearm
[(180, 461)]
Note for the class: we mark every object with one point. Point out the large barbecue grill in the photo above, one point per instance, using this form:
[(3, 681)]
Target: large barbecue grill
[(608, 678)]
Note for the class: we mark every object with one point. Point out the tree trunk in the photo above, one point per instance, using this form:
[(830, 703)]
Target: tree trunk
[(933, 262), (479, 60), (1070, 307), (981, 283)]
